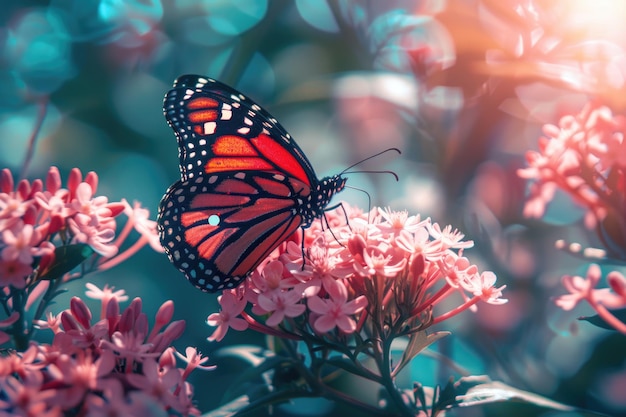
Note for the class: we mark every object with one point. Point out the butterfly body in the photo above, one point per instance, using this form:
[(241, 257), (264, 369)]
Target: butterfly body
[(245, 185)]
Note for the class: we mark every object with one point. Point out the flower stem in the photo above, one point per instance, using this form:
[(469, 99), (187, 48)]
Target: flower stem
[(317, 387), (30, 150), (387, 380), (20, 327), (456, 310)]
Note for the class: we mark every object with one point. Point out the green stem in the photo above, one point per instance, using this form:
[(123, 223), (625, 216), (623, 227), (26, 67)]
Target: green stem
[(30, 150), (19, 329), (387, 380), (317, 387)]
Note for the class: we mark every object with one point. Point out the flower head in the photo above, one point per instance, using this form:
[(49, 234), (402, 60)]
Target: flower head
[(106, 365), (387, 273)]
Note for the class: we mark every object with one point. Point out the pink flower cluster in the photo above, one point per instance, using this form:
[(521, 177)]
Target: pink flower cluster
[(601, 300), (584, 156), (37, 217), (115, 366), (385, 270)]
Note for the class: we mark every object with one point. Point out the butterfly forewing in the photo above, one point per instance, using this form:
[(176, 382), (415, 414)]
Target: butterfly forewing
[(215, 123)]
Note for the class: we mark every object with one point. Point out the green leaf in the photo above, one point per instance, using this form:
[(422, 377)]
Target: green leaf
[(66, 258), (599, 321), (418, 342), (252, 379), (480, 391)]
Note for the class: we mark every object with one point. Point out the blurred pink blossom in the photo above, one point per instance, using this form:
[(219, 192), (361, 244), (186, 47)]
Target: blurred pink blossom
[(92, 367), (601, 300)]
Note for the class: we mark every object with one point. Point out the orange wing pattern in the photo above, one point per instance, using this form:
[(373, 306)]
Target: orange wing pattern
[(251, 215)]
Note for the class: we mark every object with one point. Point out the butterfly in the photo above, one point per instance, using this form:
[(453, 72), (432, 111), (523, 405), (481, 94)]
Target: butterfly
[(245, 185)]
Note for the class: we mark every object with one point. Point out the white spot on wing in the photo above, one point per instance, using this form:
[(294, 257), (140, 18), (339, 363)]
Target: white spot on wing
[(209, 128)]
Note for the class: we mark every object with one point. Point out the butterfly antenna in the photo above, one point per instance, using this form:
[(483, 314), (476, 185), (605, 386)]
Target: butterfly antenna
[(345, 171), (369, 200), (374, 172)]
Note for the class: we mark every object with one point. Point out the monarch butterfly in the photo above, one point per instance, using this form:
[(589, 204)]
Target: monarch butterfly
[(245, 184)]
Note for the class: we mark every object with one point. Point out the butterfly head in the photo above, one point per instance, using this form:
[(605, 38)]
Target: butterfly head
[(319, 198)]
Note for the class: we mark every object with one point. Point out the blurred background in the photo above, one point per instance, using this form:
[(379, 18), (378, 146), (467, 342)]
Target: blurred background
[(462, 87)]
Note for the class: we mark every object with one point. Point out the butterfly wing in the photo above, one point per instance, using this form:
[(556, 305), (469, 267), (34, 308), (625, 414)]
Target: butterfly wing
[(220, 130), (218, 228), (245, 184)]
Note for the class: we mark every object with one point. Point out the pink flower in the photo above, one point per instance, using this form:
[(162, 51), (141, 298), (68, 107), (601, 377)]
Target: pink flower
[(52, 322), (82, 374), (599, 299), (483, 286), (89, 367), (12, 208), (336, 310), (380, 260), (449, 238), (458, 271), (129, 346), (269, 279), (323, 267), (90, 230), (158, 383), (55, 204), (26, 398), (6, 181), (93, 222), (26, 365), (397, 221), (579, 288), (231, 307), (194, 360), (281, 305), (85, 203), (21, 244), (139, 218), (105, 294), (163, 317), (13, 273), (419, 242)]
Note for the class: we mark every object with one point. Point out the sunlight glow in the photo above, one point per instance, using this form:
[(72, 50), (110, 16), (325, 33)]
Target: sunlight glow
[(597, 17)]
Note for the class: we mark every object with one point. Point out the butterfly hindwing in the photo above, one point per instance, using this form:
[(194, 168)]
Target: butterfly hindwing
[(219, 130), (217, 228)]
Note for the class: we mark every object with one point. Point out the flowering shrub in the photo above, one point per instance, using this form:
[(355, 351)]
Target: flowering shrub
[(388, 272), (113, 366), (361, 284), (47, 230), (584, 156)]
